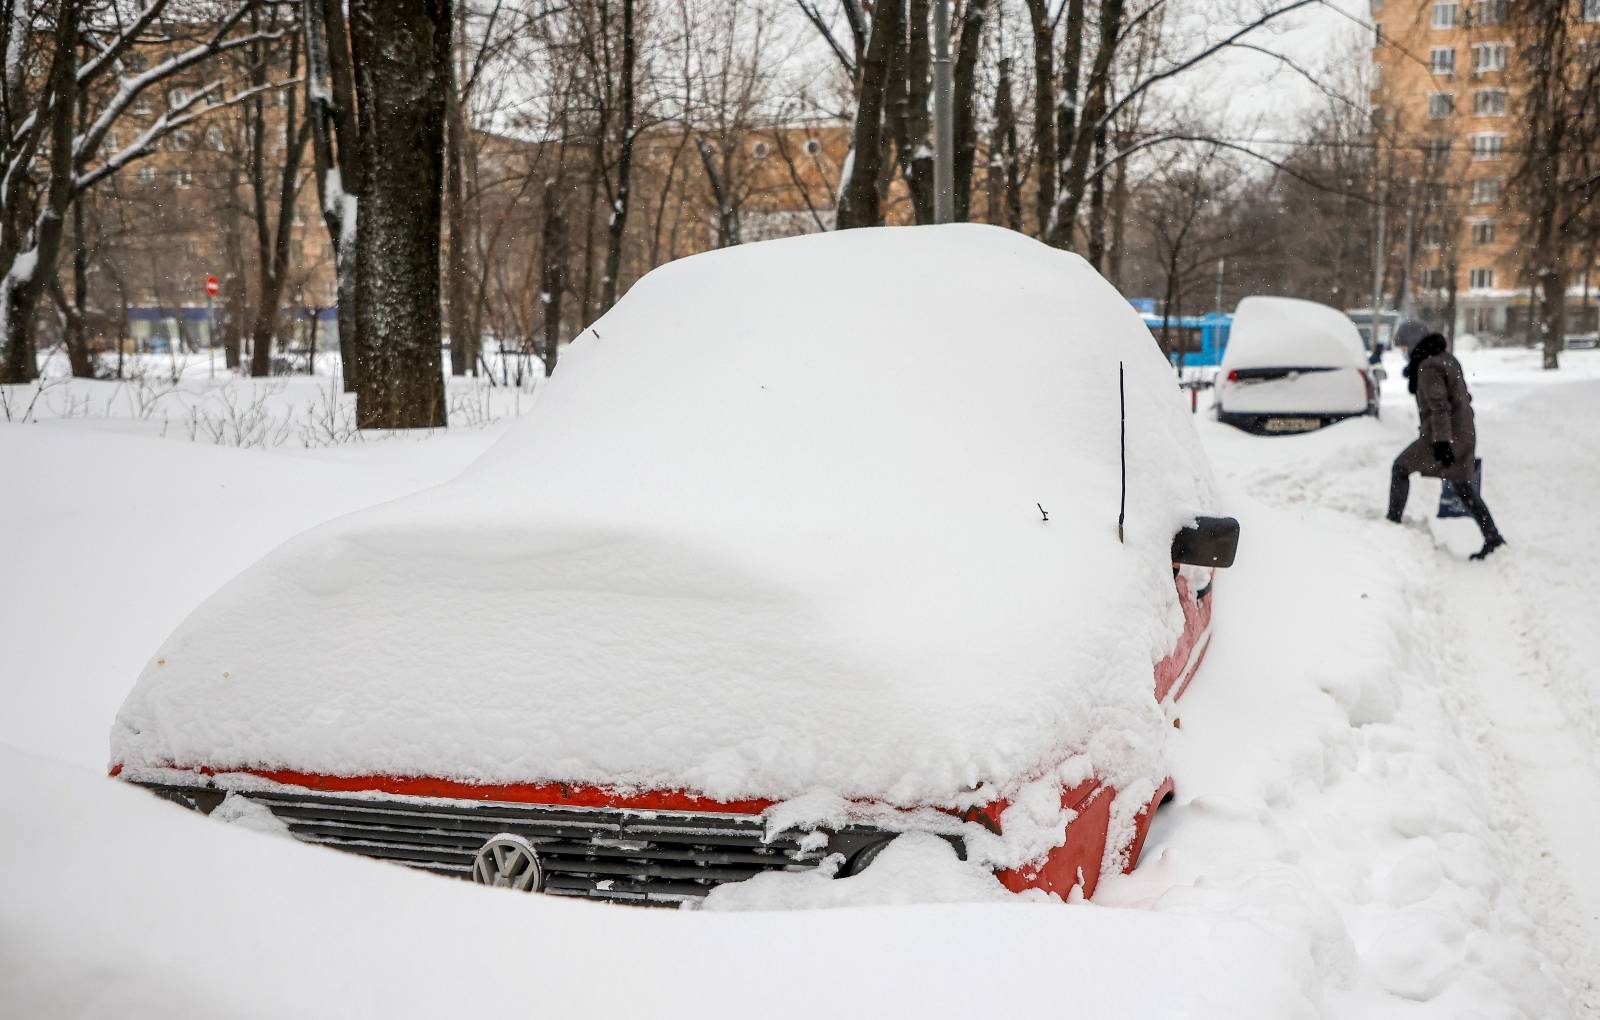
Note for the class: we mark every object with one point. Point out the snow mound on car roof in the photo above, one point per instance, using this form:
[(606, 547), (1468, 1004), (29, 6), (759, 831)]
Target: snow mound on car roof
[(773, 527), (1277, 332)]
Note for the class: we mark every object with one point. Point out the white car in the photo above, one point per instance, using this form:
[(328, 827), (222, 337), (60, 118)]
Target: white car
[(1294, 366)]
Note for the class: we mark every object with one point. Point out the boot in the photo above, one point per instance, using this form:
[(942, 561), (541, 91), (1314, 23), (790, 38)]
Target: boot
[(1479, 510), (1489, 546), (1399, 489)]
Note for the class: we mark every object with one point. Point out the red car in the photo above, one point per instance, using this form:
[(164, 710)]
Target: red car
[(807, 544)]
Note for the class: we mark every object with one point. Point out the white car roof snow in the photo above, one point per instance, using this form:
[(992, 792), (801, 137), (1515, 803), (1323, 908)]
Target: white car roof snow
[(1278, 332)]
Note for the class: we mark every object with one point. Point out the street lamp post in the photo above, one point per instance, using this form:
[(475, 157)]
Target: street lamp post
[(943, 117)]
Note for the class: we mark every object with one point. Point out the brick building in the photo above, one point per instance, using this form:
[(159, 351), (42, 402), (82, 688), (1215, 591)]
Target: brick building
[(1447, 98)]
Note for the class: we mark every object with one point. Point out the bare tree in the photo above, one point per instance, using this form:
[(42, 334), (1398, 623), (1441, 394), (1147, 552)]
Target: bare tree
[(607, 35), (1555, 180), (39, 120), (336, 149), (1004, 171), (274, 223), (552, 274)]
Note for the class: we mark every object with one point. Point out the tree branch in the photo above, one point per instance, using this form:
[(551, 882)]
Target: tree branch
[(1204, 54), (165, 125), (815, 17)]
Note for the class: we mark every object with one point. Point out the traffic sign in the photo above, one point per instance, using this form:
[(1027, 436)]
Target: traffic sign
[(213, 285)]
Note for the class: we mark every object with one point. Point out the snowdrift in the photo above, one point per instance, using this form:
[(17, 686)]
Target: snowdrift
[(772, 528)]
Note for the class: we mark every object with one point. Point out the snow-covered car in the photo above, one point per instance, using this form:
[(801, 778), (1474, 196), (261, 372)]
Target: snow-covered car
[(808, 543), (1293, 366)]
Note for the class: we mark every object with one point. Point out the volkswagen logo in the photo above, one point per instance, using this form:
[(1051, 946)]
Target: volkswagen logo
[(508, 862)]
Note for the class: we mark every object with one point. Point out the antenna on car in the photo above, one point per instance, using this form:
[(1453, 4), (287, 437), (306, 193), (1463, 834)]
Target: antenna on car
[(1122, 402)]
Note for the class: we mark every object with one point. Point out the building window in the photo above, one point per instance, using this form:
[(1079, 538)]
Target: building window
[(1488, 146), (760, 150), (1436, 151), (1489, 57), (1489, 12), (1441, 104), (813, 147), (1481, 279), (1483, 232), (182, 140), (1433, 279), (178, 98), (1432, 235), (1591, 10), (185, 179), (1486, 191), (111, 140), (1434, 194), (140, 106), (147, 174), (1490, 102), (1442, 60), (213, 138), (1445, 14)]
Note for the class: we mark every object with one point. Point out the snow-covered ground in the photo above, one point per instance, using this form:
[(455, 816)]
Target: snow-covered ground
[(1386, 773)]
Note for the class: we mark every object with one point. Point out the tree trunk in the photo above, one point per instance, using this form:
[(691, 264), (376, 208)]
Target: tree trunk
[(965, 116), (586, 295), (336, 145), (78, 355), (1550, 289), (552, 273), (1070, 196), (617, 222), (275, 257), (1451, 286), (1119, 214), (727, 215), (1067, 110), (858, 195), (233, 314), (402, 59), (1044, 117), (463, 346), (1097, 205), (1003, 158), (31, 271), (913, 143)]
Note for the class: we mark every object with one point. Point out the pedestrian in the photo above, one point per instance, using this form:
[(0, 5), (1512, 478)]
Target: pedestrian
[(1446, 446)]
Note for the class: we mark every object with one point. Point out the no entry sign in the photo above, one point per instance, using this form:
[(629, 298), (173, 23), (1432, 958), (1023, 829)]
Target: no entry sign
[(213, 285)]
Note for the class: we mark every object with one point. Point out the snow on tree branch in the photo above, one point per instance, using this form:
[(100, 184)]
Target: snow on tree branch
[(170, 120)]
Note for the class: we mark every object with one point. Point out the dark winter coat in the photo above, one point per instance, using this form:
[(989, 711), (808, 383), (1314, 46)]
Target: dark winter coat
[(1444, 408)]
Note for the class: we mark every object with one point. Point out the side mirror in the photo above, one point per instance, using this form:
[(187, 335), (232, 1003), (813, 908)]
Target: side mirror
[(1380, 373), (1208, 542)]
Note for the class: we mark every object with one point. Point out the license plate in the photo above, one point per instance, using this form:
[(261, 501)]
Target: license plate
[(1291, 424)]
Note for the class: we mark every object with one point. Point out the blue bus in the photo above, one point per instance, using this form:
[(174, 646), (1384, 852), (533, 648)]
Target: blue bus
[(1196, 340)]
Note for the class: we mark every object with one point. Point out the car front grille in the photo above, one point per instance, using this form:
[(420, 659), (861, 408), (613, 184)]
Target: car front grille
[(646, 857)]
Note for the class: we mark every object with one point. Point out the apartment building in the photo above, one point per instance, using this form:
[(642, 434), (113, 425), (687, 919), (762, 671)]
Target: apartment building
[(1446, 98)]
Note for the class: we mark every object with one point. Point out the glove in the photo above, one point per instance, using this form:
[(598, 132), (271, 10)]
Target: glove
[(1443, 454)]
